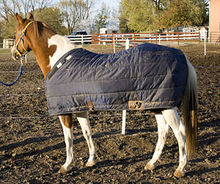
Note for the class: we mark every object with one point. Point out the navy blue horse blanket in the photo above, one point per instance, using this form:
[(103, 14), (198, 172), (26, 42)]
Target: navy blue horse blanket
[(147, 76)]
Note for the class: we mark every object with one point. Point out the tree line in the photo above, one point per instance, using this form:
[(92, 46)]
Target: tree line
[(63, 17), (158, 15), (66, 16)]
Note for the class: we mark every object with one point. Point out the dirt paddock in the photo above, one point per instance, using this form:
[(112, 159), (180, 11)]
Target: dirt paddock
[(32, 146)]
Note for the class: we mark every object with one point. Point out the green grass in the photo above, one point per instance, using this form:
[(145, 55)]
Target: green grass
[(5, 51)]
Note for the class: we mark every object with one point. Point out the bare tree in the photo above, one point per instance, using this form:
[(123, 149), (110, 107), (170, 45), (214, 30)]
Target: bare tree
[(74, 12), (10, 7), (4, 10), (40, 5)]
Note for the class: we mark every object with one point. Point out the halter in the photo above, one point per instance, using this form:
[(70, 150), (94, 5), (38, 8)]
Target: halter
[(22, 41)]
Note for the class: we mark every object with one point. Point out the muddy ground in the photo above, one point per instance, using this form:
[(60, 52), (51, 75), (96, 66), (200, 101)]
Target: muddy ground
[(32, 146)]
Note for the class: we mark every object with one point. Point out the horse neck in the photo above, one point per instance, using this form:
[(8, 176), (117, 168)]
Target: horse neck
[(62, 44), (48, 51)]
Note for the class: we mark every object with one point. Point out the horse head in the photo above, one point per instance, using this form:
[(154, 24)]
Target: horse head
[(22, 38)]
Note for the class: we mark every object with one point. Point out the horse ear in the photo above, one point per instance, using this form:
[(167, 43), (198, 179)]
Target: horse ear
[(30, 16), (19, 19)]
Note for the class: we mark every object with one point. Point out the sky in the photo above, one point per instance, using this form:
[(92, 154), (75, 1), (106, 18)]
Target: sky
[(112, 4), (113, 22)]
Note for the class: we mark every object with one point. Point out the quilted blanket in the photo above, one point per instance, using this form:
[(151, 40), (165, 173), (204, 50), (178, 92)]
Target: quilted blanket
[(147, 76)]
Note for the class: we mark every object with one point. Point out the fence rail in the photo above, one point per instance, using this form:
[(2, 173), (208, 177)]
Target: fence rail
[(145, 37), (81, 39), (134, 38)]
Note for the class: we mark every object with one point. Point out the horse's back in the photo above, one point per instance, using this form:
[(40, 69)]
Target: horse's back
[(151, 74)]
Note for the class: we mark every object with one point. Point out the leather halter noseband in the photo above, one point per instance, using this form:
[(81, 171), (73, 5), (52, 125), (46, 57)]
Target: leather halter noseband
[(24, 52)]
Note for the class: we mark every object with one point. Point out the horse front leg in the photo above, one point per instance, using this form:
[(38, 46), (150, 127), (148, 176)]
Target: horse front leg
[(66, 122), (163, 128), (86, 129)]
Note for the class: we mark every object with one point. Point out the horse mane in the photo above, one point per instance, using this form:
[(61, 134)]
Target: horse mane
[(39, 27)]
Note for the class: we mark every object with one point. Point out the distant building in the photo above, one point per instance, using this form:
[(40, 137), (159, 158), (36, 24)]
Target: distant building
[(107, 31), (8, 43), (214, 20)]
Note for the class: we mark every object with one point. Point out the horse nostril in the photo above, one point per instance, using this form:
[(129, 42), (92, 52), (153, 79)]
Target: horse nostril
[(16, 57)]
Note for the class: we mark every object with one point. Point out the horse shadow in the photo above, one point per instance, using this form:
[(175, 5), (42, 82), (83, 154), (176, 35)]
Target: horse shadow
[(61, 145), (28, 141)]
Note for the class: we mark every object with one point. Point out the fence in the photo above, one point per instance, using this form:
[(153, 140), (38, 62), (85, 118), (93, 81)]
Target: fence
[(145, 37), (82, 39), (133, 38), (7, 43)]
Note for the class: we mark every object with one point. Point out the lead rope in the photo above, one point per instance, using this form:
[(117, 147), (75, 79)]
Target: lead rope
[(19, 75), (20, 54)]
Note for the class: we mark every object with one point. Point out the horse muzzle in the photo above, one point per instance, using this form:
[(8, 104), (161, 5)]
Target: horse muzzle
[(14, 53)]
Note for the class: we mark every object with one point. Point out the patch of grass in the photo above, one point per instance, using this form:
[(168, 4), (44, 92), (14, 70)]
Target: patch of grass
[(5, 51)]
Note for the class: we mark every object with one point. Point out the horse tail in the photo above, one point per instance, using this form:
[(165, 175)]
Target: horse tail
[(189, 110)]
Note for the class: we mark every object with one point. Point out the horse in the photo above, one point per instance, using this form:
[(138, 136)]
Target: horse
[(48, 47)]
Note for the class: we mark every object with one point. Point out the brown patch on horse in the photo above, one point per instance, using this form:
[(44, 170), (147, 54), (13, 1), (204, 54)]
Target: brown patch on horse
[(52, 50), (67, 120)]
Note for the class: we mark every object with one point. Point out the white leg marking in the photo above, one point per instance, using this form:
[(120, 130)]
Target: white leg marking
[(163, 128), (68, 136), (172, 118), (86, 129)]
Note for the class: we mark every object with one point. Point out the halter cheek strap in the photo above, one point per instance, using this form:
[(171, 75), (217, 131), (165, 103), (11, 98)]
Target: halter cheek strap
[(22, 41)]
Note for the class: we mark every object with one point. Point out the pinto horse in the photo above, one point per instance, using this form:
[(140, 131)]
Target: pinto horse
[(48, 47)]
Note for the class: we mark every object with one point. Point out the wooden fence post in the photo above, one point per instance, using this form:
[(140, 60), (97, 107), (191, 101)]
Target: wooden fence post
[(178, 39), (159, 37), (205, 39), (113, 42), (123, 122), (134, 39), (82, 40), (124, 111)]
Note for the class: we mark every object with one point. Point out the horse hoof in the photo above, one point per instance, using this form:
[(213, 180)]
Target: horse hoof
[(179, 173), (62, 170), (149, 167), (90, 163)]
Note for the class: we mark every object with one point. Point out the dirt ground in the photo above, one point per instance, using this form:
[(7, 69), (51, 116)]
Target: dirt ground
[(32, 146)]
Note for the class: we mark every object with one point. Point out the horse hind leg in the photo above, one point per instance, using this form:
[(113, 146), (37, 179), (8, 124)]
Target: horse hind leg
[(163, 128), (172, 118), (86, 129), (66, 122)]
